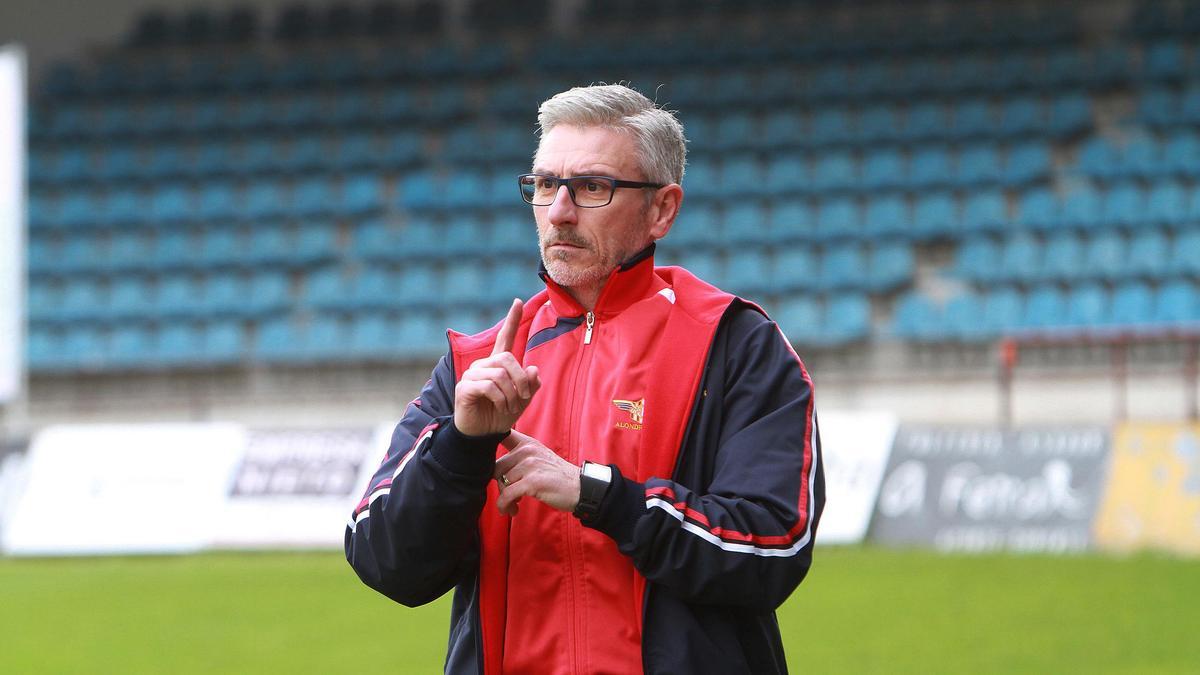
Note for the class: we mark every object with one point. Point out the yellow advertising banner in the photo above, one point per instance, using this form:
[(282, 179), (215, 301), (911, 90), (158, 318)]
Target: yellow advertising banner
[(1153, 495)]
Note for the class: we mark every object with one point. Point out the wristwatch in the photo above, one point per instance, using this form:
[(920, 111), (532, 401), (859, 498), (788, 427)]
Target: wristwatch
[(594, 480)]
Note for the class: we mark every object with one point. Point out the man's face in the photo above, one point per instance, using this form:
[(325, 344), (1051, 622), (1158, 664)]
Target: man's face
[(581, 246)]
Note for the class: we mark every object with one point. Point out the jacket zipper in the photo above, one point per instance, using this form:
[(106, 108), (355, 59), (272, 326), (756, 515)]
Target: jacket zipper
[(574, 554)]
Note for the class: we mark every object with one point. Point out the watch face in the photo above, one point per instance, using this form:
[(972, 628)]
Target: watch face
[(598, 471)]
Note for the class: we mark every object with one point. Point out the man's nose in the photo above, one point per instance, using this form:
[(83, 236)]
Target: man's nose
[(562, 209)]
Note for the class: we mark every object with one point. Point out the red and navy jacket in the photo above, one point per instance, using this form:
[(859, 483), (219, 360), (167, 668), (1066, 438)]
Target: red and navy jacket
[(705, 413)]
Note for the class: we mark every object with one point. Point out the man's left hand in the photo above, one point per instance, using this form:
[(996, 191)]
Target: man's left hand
[(531, 469)]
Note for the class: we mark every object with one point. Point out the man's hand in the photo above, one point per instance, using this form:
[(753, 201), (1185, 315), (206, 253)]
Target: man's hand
[(494, 391), (531, 469)]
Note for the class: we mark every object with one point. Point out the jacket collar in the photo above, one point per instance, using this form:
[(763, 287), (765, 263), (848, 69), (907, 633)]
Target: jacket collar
[(627, 284)]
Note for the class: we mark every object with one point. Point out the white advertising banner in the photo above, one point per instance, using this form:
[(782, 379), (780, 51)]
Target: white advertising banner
[(12, 222), (116, 489), (855, 447), (296, 488)]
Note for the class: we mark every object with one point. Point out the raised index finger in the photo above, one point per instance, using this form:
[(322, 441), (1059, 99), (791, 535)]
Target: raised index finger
[(508, 331)]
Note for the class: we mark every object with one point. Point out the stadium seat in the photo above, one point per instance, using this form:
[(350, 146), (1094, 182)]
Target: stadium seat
[(978, 165), (799, 317), (1080, 209), (1062, 257), (1166, 204), (847, 318), (222, 295), (179, 344), (128, 346), (216, 202), (1070, 114), (1106, 255), (1123, 205), (1027, 163), (1185, 257), (1177, 304), (746, 271), (221, 247), (962, 318), (269, 292), (834, 171), (890, 265), (1181, 154), (1087, 307), (1021, 116), (1021, 258), (794, 268), (316, 242), (935, 214), (842, 266), (741, 176), (1149, 252), (973, 118), (696, 225), (917, 317), (129, 297), (1002, 310), (1132, 305), (735, 131), (311, 197), (887, 216), (171, 204), (985, 212), (1044, 308), (704, 264), (930, 168), (786, 174), (926, 121), (175, 249), (1038, 209), (419, 284), (784, 129), (879, 124), (883, 170), (177, 297), (830, 126), (264, 199), (838, 219), (746, 223)]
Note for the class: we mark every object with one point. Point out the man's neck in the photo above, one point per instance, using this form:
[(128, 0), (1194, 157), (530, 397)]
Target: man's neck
[(586, 295)]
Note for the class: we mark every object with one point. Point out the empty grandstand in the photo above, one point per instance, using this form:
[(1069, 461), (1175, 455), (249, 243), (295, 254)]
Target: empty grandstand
[(967, 211)]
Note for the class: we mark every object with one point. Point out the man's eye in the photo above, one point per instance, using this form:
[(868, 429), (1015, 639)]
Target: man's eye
[(546, 183), (593, 186)]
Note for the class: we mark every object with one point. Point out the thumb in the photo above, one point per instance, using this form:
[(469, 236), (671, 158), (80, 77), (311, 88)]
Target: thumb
[(515, 439)]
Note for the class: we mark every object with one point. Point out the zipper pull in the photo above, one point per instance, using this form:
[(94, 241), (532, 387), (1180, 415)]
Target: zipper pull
[(591, 321)]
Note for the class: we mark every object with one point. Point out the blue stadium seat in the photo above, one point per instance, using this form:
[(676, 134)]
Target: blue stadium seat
[(891, 264), (847, 318), (1149, 253), (1080, 209), (223, 341), (1185, 258), (973, 118), (171, 203), (354, 150), (82, 347), (276, 340), (80, 253), (400, 150), (746, 271), (78, 209), (842, 266), (1021, 258), (1062, 257), (177, 296), (1021, 116), (917, 317), (935, 215), (1132, 305), (1027, 163), (887, 216), (44, 349), (223, 295), (264, 199), (216, 202), (883, 170), (962, 318), (372, 335), (299, 111), (735, 131), (879, 124), (978, 164), (784, 129), (1166, 204), (179, 344), (514, 232), (830, 126), (510, 279), (1087, 307), (1003, 310), (362, 194), (1123, 205), (304, 155), (930, 167), (211, 159), (311, 197), (702, 180), (985, 212), (269, 245), (746, 223), (1158, 106), (166, 162), (1177, 304), (1038, 209), (696, 225), (741, 176), (1106, 254), (1070, 113), (373, 288), (129, 297), (419, 333), (269, 291), (316, 242), (464, 234), (419, 284), (786, 174), (1189, 104), (926, 121), (1141, 157), (834, 171), (350, 108), (221, 247), (375, 240), (794, 268), (128, 346), (1044, 308), (704, 264), (838, 219), (1164, 61), (174, 249), (799, 317), (1181, 154)]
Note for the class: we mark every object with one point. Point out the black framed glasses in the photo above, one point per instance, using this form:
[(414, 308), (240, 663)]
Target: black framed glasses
[(588, 192)]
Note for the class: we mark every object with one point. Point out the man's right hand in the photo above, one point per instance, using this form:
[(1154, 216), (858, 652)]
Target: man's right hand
[(495, 390)]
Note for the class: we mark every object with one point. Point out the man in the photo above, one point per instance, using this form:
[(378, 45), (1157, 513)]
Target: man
[(624, 474)]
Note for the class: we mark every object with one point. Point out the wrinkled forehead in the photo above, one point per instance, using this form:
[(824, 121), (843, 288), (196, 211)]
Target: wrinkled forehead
[(582, 151)]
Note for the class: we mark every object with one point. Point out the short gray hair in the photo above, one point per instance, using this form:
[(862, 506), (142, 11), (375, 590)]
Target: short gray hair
[(662, 149)]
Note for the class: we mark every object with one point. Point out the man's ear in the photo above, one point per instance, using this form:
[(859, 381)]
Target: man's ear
[(664, 209)]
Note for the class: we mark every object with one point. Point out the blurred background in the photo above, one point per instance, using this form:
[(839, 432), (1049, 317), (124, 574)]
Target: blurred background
[(232, 235)]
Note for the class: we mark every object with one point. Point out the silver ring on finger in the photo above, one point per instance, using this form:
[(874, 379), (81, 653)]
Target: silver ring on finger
[(504, 480)]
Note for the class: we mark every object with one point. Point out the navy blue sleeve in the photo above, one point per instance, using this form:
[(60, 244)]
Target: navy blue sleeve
[(415, 532), (735, 524)]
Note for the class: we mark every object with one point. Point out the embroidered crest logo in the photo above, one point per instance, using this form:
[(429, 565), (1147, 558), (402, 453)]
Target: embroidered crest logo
[(636, 410)]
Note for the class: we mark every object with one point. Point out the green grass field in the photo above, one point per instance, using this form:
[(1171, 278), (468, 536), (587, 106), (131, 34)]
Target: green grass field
[(862, 610)]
